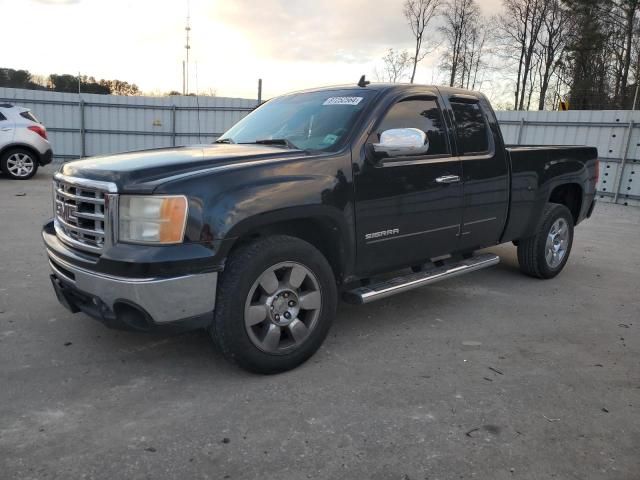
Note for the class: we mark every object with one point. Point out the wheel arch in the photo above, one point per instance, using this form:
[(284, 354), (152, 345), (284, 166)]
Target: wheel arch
[(569, 195), (322, 230), (21, 146)]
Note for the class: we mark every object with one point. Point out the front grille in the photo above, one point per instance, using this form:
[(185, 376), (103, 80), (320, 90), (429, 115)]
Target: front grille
[(80, 215)]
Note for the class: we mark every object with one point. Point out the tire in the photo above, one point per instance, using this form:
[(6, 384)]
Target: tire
[(257, 290), (19, 164), (545, 254)]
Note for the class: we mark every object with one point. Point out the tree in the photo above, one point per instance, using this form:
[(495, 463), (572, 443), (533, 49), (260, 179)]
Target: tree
[(630, 8), (119, 87), (71, 84), (17, 79), (419, 14), (622, 27), (459, 18), (521, 23), (394, 66), (552, 44), (587, 55), (474, 47)]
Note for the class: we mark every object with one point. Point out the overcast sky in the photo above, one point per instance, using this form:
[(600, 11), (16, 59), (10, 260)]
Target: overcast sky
[(290, 44)]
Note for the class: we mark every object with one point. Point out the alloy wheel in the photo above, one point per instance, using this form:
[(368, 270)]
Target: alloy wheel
[(557, 243), (20, 164), (283, 307)]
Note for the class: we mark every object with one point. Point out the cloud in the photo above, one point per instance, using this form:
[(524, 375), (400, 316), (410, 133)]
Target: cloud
[(309, 30)]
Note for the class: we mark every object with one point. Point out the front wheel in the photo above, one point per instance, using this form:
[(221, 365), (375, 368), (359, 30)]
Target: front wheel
[(275, 304), (545, 254)]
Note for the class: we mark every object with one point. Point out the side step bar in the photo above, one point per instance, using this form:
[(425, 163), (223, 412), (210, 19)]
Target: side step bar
[(410, 281)]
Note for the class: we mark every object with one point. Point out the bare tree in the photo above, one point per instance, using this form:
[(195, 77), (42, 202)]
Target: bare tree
[(473, 55), (636, 62), (618, 28), (394, 66), (419, 14), (552, 43), (630, 8), (459, 17), (520, 24)]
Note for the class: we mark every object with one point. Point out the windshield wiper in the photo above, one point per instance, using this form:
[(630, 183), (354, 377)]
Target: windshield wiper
[(277, 141), (224, 140)]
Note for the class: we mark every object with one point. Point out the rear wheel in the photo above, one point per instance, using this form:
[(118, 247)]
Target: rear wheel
[(19, 164), (545, 254), (276, 301)]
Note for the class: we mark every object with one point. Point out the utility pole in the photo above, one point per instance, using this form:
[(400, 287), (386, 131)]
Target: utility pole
[(187, 47)]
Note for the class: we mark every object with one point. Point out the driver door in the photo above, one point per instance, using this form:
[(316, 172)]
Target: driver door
[(409, 208)]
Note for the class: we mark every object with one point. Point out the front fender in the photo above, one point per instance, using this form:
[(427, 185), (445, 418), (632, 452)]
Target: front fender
[(226, 205)]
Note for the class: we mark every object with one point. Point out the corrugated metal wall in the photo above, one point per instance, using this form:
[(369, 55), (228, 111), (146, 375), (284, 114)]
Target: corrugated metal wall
[(616, 134), (89, 124), (100, 124)]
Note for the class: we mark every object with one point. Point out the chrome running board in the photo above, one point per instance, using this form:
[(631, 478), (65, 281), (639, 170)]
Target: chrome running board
[(410, 281)]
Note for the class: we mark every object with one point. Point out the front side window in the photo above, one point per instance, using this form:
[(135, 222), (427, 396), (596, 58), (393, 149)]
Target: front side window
[(421, 113), (472, 132), (309, 121)]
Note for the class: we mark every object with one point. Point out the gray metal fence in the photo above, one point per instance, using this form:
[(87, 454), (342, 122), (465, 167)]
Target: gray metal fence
[(89, 124), (85, 125), (616, 134)]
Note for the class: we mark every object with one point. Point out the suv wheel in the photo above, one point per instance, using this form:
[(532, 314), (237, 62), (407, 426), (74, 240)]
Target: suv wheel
[(275, 304), (545, 254), (18, 164)]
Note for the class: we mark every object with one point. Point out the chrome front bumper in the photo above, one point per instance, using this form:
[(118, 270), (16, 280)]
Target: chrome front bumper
[(163, 300)]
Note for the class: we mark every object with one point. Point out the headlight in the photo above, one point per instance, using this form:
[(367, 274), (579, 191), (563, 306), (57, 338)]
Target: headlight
[(152, 219)]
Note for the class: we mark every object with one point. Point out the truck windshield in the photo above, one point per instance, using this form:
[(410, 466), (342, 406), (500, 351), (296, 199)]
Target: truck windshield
[(308, 121)]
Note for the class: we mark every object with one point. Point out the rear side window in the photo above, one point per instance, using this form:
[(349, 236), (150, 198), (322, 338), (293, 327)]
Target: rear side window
[(472, 132), (29, 116), (420, 113)]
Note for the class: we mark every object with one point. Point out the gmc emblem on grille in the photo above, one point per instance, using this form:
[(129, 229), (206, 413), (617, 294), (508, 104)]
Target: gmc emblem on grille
[(66, 212)]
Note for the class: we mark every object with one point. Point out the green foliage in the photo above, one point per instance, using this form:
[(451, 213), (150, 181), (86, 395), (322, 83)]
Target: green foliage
[(66, 83), (17, 79)]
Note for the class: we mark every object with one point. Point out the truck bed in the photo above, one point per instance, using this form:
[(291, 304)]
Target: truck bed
[(536, 171)]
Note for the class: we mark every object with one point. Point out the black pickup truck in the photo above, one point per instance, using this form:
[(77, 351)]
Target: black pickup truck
[(355, 191)]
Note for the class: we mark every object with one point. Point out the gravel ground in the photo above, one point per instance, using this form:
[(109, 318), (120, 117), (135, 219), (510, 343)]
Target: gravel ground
[(492, 376)]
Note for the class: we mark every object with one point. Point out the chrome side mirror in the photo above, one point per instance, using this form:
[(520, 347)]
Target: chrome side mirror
[(400, 142)]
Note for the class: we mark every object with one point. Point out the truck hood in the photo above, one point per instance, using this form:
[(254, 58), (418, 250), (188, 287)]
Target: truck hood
[(142, 171)]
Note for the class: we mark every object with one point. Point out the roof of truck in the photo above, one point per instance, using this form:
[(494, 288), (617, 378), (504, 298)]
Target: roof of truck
[(392, 86)]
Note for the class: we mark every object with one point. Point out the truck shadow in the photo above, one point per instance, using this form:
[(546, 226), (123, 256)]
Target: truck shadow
[(197, 355)]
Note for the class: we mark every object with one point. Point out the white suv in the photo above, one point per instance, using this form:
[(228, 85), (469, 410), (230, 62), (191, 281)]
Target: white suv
[(23, 142)]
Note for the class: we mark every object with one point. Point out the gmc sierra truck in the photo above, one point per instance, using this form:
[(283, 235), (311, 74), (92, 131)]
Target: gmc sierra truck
[(358, 192)]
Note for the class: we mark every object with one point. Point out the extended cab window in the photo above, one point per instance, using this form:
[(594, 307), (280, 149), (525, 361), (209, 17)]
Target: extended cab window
[(472, 131), (420, 113)]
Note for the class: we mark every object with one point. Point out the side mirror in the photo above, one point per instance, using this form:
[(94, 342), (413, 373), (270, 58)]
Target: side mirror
[(400, 142)]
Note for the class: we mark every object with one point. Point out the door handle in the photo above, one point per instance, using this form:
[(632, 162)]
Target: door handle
[(5, 129), (448, 179)]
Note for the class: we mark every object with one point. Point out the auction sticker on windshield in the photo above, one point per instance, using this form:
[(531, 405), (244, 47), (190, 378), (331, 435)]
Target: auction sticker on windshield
[(342, 101)]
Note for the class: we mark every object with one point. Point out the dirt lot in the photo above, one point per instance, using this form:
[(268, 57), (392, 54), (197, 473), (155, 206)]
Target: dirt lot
[(491, 376)]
